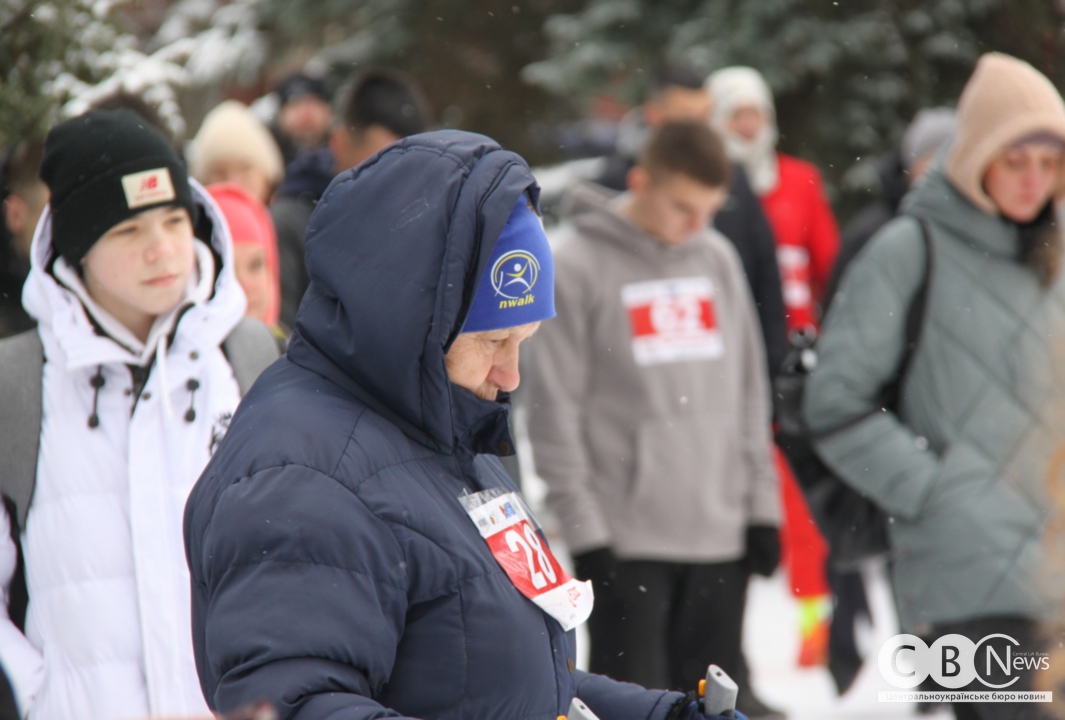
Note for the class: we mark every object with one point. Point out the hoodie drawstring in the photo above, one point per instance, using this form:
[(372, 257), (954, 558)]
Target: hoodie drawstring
[(97, 382)]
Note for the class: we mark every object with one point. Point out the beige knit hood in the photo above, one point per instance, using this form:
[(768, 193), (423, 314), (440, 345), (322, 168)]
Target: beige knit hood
[(1005, 100), (231, 130)]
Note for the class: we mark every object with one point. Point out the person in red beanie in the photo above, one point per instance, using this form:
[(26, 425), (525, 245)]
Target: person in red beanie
[(255, 258)]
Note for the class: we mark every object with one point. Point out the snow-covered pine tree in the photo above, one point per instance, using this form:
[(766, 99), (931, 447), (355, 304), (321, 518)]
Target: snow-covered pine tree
[(848, 74), (58, 57)]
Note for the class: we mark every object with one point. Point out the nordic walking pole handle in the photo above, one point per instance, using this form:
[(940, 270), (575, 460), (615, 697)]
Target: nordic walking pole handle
[(719, 692)]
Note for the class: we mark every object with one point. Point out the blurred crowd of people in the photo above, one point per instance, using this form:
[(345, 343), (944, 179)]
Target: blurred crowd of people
[(699, 271)]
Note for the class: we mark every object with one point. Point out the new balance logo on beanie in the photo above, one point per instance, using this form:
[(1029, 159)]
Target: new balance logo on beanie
[(102, 168)]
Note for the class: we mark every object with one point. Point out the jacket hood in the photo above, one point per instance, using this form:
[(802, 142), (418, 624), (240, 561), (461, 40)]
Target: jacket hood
[(62, 316), (936, 198), (308, 175), (395, 250), (593, 211), (1005, 100), (737, 87)]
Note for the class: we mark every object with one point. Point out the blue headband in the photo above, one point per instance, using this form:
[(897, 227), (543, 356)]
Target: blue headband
[(518, 285)]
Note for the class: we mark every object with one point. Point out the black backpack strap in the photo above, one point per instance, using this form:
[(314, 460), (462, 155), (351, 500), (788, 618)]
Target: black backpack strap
[(891, 392), (915, 315), (21, 380), (250, 349)]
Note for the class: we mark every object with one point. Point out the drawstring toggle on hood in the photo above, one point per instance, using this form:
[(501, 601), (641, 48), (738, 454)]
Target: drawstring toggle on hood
[(192, 386), (97, 381)]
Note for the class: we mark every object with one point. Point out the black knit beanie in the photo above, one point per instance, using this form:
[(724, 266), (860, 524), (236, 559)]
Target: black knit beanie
[(102, 168)]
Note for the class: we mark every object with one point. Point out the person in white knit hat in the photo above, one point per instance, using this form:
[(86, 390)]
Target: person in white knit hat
[(807, 241), (234, 146), (791, 189)]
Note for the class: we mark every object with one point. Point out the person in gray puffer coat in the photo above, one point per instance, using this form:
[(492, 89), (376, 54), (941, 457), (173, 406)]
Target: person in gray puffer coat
[(962, 467)]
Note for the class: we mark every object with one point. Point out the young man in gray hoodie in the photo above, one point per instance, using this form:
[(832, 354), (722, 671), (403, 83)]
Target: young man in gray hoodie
[(649, 416)]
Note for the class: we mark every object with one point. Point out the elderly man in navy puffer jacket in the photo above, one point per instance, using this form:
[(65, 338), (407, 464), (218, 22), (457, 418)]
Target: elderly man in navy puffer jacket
[(357, 550)]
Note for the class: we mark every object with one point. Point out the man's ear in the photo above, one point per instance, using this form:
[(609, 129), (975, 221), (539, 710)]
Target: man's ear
[(15, 213), (637, 179)]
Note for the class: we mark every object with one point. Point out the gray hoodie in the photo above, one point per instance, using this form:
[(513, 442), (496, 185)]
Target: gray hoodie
[(648, 404)]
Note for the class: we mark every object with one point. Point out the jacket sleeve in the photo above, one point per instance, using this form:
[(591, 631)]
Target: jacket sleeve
[(824, 237), (613, 700), (298, 595), (556, 384), (763, 502), (21, 661), (859, 351)]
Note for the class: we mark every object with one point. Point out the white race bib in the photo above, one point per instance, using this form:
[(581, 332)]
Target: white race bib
[(510, 531), (672, 320), (795, 275)]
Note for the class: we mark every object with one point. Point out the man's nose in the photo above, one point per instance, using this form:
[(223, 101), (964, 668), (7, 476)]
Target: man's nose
[(504, 374)]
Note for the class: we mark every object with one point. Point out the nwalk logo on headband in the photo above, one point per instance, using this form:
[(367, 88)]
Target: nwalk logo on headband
[(514, 276), (517, 285)]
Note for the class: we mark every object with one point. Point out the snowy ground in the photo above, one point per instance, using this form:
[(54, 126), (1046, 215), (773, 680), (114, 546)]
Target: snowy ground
[(771, 643), (771, 638)]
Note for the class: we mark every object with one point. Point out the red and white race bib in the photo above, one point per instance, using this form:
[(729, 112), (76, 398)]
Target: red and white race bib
[(672, 320), (508, 527), (795, 276)]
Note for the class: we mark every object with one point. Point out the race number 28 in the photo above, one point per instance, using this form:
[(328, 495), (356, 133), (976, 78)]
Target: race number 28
[(520, 551), (509, 529), (531, 544)]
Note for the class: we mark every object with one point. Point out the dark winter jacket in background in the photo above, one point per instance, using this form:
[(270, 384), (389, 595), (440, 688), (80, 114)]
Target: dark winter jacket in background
[(335, 572), (305, 181), (13, 272), (894, 184), (8, 708), (741, 220), (13, 317)]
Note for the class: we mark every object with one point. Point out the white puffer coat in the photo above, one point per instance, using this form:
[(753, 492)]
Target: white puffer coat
[(107, 629)]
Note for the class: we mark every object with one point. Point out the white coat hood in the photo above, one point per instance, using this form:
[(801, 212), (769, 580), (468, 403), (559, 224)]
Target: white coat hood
[(61, 309)]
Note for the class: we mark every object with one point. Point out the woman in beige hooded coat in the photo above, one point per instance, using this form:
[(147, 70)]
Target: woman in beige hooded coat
[(960, 467)]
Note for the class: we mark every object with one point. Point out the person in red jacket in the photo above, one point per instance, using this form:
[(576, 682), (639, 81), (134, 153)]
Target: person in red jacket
[(807, 238)]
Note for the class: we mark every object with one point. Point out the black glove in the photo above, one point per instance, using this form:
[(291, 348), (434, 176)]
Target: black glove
[(690, 707), (763, 549), (599, 565)]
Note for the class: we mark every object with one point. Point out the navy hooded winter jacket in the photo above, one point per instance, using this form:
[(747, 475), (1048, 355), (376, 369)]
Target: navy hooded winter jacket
[(334, 571)]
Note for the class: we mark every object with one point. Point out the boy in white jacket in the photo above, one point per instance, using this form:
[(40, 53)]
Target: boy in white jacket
[(133, 291)]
